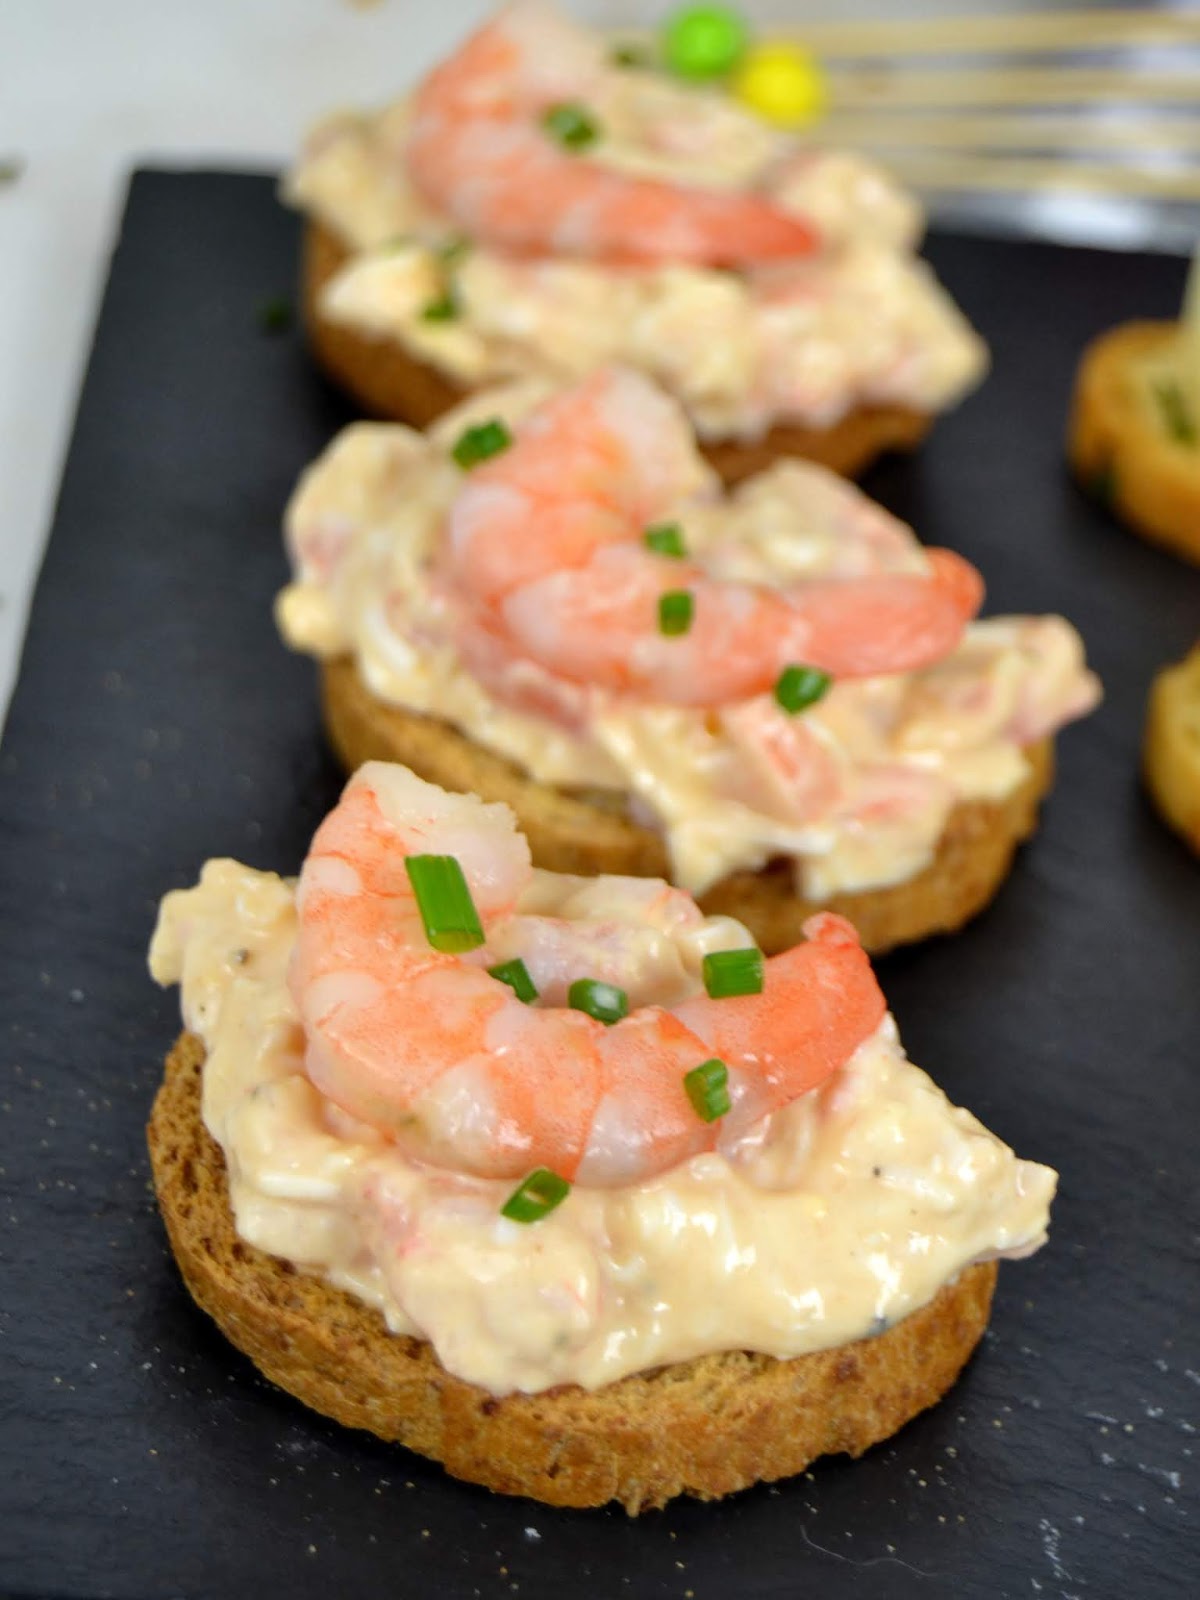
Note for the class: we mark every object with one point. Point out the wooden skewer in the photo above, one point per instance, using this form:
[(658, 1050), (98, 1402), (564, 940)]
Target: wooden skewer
[(968, 131), (933, 171), (1191, 295), (1191, 323), (1058, 30), (942, 126), (863, 90)]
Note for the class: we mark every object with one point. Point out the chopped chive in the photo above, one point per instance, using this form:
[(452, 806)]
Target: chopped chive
[(571, 124), (11, 168), (799, 687), (481, 442), (275, 316), (537, 1197), (730, 972), (444, 901), (708, 1089), (604, 1001), (675, 611), (451, 251), (1177, 418), (666, 539), (444, 309), (516, 975), (631, 55)]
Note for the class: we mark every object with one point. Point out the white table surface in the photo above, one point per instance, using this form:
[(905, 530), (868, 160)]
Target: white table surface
[(90, 88)]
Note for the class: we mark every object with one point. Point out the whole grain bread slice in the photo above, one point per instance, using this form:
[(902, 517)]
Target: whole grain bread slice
[(380, 374), (705, 1427), (591, 833)]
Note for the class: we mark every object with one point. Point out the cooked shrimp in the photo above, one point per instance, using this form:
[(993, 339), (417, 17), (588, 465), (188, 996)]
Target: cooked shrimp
[(550, 533), (786, 767), (635, 933), (479, 153), (444, 1058)]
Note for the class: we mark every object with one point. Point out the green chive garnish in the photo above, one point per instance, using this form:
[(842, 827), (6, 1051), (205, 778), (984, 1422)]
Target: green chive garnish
[(444, 901), (730, 972), (451, 251), (11, 168), (275, 316), (444, 309), (708, 1089), (666, 539), (536, 1197), (1176, 416), (797, 688), (604, 1001), (516, 975), (571, 124), (631, 55), (675, 611), (479, 443)]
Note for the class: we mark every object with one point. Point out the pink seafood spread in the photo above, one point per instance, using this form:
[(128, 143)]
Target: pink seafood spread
[(760, 280), (377, 1093), (586, 602)]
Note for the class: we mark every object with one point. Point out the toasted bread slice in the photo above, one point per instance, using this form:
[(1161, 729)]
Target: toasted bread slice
[(591, 833), (705, 1427), (1123, 452), (388, 382), (1172, 748)]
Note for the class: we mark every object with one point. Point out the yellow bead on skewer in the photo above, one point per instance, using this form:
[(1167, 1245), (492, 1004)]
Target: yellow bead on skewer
[(784, 84)]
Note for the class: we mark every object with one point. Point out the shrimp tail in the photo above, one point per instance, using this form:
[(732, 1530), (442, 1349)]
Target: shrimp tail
[(896, 622), (819, 1002), (961, 582)]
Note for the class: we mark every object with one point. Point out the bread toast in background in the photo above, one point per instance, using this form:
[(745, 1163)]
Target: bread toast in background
[(1171, 756), (573, 832), (388, 382), (1132, 444)]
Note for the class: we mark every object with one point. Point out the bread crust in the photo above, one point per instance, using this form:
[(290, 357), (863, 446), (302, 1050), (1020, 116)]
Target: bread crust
[(387, 382), (590, 833), (705, 1427), (1171, 754), (1120, 451)]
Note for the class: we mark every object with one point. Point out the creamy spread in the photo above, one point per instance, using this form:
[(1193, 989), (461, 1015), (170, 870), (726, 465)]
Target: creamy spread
[(826, 1222), (861, 322), (884, 761)]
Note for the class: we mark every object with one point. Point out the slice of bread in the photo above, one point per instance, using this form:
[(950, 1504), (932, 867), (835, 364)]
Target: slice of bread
[(1171, 756), (1125, 455), (387, 382), (705, 1427), (590, 832)]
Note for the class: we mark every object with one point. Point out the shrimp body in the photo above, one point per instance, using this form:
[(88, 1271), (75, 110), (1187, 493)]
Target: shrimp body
[(444, 1058), (550, 535), (478, 152)]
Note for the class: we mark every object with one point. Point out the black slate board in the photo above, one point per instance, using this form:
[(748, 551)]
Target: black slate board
[(157, 721)]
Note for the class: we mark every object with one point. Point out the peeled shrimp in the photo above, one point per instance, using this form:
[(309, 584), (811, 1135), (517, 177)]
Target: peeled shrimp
[(478, 152), (446, 1060), (550, 535)]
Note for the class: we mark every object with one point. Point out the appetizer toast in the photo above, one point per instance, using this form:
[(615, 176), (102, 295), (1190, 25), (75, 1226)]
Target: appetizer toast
[(672, 1298)]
